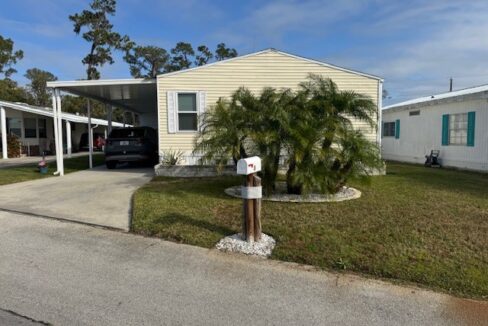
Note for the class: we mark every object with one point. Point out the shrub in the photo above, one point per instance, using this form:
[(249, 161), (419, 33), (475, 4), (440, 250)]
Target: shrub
[(13, 146), (310, 128), (171, 157)]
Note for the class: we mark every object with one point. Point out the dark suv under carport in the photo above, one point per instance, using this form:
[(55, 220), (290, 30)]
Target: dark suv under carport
[(135, 144)]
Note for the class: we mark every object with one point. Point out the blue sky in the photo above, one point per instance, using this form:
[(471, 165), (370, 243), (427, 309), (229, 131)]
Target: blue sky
[(414, 45)]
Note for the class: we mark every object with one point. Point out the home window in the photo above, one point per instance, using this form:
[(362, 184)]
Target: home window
[(42, 128), (187, 112), (458, 129), (414, 113), (14, 127), (388, 129), (30, 128)]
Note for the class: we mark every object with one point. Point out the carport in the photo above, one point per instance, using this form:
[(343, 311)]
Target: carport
[(138, 96)]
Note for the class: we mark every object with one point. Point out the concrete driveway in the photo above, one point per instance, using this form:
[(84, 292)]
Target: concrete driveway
[(98, 196)]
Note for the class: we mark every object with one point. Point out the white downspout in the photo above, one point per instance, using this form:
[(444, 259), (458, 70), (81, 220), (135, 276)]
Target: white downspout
[(105, 135), (380, 114), (3, 124), (68, 138), (55, 125), (60, 132), (90, 136), (109, 118)]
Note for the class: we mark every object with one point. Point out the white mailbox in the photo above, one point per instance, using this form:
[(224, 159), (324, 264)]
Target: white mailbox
[(249, 165)]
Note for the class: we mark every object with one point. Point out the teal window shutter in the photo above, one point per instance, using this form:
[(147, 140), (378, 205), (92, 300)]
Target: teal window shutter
[(471, 122), (445, 129), (397, 129)]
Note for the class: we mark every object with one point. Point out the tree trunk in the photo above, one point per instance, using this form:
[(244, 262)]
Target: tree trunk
[(292, 187)]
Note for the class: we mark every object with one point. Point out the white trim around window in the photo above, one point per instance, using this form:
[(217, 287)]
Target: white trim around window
[(189, 113)]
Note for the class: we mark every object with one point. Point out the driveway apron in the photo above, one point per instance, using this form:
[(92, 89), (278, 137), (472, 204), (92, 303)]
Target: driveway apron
[(98, 196)]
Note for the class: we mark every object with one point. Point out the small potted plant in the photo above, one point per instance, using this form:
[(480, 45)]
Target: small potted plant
[(43, 167)]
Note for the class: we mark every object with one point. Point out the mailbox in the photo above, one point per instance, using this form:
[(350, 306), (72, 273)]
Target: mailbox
[(249, 165)]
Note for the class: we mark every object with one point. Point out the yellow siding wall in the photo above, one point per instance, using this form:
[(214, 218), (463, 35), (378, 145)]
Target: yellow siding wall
[(271, 69)]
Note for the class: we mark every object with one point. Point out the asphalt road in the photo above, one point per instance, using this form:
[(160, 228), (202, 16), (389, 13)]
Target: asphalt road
[(71, 274)]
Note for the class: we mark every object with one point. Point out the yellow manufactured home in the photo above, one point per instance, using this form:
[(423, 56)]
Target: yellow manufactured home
[(173, 102), (183, 95)]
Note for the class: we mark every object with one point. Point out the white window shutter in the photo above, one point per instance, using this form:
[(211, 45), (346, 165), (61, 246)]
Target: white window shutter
[(171, 97), (202, 105)]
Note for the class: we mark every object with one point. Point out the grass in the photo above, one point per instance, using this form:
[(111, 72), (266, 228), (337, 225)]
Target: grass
[(427, 226), (30, 172)]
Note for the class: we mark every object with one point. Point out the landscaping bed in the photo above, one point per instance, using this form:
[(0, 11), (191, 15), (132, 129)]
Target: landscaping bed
[(427, 226), (30, 172)]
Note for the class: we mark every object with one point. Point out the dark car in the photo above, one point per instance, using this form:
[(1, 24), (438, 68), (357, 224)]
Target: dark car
[(135, 144), (98, 142)]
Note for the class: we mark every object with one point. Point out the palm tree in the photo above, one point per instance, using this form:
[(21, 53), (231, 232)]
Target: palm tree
[(311, 127), (318, 155), (225, 129)]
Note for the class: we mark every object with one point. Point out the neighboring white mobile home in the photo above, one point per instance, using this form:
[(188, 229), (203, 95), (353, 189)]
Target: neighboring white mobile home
[(456, 123), (33, 127)]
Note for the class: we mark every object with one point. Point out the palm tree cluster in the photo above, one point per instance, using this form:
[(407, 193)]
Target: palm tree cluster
[(308, 133)]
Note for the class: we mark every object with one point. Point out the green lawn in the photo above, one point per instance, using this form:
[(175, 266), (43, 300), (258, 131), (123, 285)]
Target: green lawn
[(428, 226), (30, 172)]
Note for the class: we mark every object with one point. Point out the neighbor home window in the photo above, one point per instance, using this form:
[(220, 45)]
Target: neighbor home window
[(14, 126), (187, 112), (388, 129), (458, 129), (42, 128), (30, 128)]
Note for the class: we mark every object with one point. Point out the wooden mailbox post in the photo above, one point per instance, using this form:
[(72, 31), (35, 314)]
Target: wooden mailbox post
[(251, 193)]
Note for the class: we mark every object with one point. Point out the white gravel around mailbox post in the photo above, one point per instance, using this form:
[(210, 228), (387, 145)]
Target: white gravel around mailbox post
[(235, 243)]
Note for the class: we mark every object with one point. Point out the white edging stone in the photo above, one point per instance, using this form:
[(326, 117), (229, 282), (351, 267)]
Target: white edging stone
[(346, 193), (235, 243)]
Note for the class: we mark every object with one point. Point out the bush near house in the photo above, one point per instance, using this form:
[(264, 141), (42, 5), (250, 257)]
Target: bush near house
[(312, 128), (13, 146)]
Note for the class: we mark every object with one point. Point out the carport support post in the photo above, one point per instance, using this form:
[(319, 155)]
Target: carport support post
[(55, 125), (90, 135), (68, 138), (3, 125), (60, 133)]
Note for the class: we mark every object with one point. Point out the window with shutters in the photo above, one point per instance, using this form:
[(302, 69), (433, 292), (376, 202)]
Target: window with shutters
[(388, 129), (458, 129), (187, 112)]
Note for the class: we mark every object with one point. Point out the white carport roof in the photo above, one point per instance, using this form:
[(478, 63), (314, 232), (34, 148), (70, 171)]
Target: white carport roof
[(136, 95), (49, 113)]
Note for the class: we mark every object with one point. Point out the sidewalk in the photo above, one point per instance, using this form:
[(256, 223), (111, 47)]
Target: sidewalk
[(70, 274)]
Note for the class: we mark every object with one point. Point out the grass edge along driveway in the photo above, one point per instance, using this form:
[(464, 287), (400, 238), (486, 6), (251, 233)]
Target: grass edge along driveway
[(28, 172), (426, 226)]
